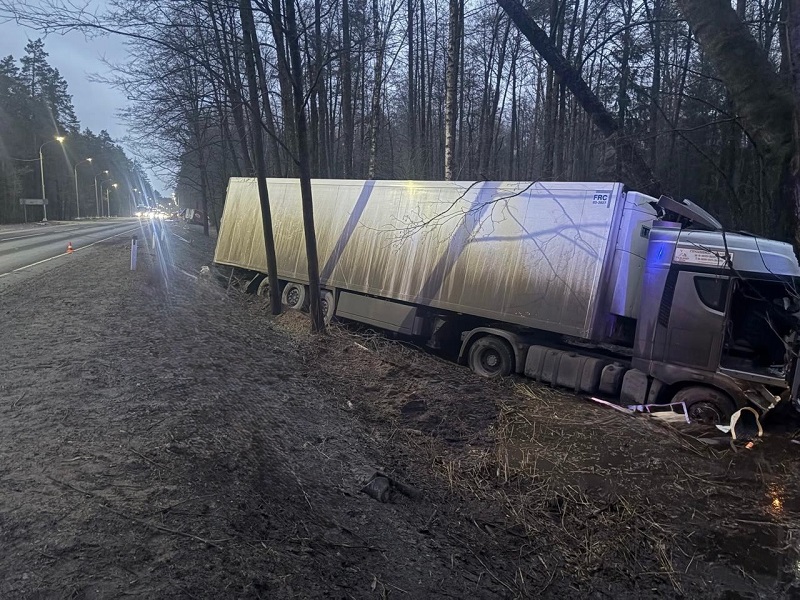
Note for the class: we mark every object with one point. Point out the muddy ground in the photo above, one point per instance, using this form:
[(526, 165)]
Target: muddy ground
[(165, 437)]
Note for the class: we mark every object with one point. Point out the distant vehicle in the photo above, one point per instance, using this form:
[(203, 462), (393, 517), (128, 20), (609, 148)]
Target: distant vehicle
[(584, 285)]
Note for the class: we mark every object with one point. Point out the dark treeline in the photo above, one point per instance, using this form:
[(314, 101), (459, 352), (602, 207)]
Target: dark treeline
[(430, 89), (35, 108), (383, 78)]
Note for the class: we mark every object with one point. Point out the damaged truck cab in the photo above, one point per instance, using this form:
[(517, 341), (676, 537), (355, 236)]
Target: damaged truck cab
[(718, 328)]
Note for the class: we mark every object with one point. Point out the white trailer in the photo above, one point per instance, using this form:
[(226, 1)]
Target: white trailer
[(553, 256)]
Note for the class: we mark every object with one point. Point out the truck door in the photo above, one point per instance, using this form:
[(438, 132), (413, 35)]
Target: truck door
[(693, 309)]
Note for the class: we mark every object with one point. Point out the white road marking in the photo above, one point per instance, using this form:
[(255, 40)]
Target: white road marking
[(22, 237), (48, 231), (65, 253)]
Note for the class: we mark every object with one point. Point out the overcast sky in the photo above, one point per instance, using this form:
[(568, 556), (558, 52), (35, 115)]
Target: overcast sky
[(96, 104)]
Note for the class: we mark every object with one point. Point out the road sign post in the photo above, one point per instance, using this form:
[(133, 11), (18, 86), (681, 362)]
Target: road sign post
[(26, 202), (134, 248)]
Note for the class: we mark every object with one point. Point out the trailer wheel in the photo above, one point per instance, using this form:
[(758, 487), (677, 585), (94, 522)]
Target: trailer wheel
[(294, 296), (328, 302), (263, 287), (491, 357), (706, 405)]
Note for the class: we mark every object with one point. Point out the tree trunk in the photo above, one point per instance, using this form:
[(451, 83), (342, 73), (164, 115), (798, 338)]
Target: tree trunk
[(764, 102), (347, 92), (285, 81), (791, 185), (249, 32), (655, 84), (375, 109), (269, 126), (412, 118), (292, 39), (453, 41), (322, 139), (234, 95), (638, 172)]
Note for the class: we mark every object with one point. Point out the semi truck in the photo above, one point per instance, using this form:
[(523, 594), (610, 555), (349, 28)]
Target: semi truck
[(585, 285)]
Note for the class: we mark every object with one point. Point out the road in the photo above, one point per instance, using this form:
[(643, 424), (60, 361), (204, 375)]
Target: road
[(26, 247)]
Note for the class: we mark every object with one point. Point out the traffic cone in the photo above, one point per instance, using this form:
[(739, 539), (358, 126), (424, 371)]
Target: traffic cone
[(69, 247)]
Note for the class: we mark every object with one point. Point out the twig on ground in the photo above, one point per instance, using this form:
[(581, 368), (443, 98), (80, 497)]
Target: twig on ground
[(18, 399), (142, 522), (143, 457)]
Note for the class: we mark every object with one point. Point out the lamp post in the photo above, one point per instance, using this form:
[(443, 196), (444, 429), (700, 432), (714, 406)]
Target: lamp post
[(108, 199), (77, 196), (60, 140), (96, 193), (108, 180)]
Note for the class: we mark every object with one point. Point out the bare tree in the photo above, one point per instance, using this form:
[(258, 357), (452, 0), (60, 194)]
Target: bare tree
[(249, 42), (453, 47), (303, 162), (638, 171)]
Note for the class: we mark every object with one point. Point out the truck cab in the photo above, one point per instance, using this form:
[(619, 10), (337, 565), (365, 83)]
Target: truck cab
[(718, 328)]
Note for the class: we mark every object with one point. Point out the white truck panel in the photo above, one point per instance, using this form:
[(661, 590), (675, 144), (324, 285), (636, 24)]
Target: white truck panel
[(535, 254)]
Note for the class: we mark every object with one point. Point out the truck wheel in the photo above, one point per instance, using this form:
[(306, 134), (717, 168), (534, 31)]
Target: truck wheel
[(263, 287), (706, 405), (491, 357), (294, 296), (328, 302)]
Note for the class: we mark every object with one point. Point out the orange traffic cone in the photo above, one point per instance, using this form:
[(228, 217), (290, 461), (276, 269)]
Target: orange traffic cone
[(69, 247)]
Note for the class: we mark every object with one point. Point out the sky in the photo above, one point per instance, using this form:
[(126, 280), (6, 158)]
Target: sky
[(76, 58)]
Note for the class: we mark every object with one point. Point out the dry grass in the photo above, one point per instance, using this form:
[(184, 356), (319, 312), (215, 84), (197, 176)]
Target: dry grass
[(581, 494), (534, 469)]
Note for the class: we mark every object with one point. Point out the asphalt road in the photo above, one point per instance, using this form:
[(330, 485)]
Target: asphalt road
[(25, 247)]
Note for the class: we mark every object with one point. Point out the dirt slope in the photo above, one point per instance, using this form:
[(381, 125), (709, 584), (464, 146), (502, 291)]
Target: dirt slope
[(163, 438)]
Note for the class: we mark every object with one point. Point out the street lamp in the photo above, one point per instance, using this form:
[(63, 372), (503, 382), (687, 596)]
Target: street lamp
[(108, 180), (96, 194), (60, 139), (108, 200), (77, 197), (135, 201)]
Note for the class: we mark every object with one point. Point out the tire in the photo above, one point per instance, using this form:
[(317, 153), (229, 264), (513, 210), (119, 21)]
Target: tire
[(328, 302), (294, 296), (706, 405), (491, 357), (263, 287)]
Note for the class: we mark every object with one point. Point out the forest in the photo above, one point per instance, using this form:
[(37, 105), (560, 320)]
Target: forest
[(35, 109), (391, 88), (689, 98)]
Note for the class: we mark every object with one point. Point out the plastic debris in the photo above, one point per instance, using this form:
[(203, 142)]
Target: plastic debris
[(745, 426), (665, 412), (616, 407)]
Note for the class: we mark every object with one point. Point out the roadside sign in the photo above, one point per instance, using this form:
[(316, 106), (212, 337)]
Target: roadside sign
[(32, 202)]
